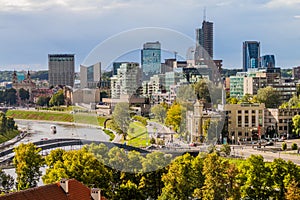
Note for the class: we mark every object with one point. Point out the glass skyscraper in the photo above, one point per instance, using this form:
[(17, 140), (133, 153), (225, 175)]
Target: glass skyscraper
[(267, 61), (204, 41), (151, 59), (251, 55)]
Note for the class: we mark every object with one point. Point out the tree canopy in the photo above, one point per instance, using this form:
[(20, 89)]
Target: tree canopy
[(269, 97)]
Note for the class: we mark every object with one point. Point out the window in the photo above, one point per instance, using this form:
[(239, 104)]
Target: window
[(239, 112), (240, 133)]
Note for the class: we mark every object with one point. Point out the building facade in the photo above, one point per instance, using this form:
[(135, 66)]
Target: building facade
[(90, 77), (296, 73), (204, 41), (61, 69), (245, 121), (127, 81), (251, 55), (151, 59), (267, 61)]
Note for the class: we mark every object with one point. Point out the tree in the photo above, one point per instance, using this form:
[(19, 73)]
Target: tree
[(159, 112), (202, 90), (27, 162), (128, 191), (293, 191), (57, 99), (43, 101), (23, 94), (7, 182), (256, 179), (121, 117), (180, 180), (269, 97), (78, 164), (296, 124), (226, 149), (174, 116), (10, 96), (284, 146), (220, 179)]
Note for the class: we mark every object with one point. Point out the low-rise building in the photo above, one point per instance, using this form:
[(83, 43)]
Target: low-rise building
[(245, 121)]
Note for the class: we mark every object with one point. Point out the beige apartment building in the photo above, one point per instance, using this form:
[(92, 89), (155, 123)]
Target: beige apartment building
[(245, 121)]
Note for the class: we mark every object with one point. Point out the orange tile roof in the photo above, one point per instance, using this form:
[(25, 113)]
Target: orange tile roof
[(77, 191)]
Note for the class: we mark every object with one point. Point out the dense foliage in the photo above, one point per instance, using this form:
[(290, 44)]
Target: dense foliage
[(129, 175)]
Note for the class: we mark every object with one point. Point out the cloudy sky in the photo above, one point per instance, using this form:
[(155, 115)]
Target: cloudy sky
[(30, 29)]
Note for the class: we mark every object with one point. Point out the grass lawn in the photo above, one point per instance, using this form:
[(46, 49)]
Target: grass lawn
[(137, 135), (40, 115), (8, 136)]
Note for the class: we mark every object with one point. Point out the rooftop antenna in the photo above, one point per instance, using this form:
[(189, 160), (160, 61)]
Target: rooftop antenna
[(204, 14)]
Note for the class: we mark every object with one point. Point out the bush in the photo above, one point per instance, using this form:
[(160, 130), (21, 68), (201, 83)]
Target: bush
[(141, 119), (152, 141), (284, 146), (226, 149), (294, 146)]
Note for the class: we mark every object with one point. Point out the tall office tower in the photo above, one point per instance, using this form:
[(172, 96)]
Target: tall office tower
[(151, 59), (90, 77), (251, 55), (267, 61), (61, 69), (205, 41)]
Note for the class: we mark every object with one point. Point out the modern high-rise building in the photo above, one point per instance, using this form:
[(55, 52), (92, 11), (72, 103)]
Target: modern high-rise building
[(205, 41), (151, 59), (90, 76), (251, 55), (61, 69), (267, 61), (127, 81)]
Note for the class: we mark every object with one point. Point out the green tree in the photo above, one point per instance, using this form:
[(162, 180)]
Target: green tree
[(23, 94), (27, 162), (10, 96), (220, 179), (232, 100), (80, 165), (43, 101), (57, 99), (296, 124), (159, 112), (180, 179), (256, 179), (174, 116), (121, 117), (154, 166), (7, 182), (269, 97), (202, 90), (128, 191), (284, 146)]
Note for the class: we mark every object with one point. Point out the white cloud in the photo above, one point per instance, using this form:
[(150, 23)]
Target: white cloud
[(79, 5), (282, 3), (297, 16)]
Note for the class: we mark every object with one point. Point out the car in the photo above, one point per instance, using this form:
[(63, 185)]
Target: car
[(151, 147), (269, 143), (193, 144)]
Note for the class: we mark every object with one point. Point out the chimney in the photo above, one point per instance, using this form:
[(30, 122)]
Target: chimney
[(64, 184), (96, 194)]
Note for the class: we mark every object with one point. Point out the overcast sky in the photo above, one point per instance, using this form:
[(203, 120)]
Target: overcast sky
[(30, 29)]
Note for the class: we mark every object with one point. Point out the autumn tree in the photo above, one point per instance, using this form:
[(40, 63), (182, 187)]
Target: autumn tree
[(174, 116), (121, 117), (293, 191), (269, 97), (159, 112), (27, 162), (296, 124)]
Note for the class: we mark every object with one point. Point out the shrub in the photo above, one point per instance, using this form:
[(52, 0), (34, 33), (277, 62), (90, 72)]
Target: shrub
[(141, 119), (294, 146), (284, 146), (226, 149), (152, 141)]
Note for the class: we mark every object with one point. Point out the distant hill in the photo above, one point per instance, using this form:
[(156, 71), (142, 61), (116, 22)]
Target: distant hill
[(7, 75)]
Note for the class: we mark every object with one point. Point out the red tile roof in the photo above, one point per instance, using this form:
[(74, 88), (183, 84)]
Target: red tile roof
[(77, 191)]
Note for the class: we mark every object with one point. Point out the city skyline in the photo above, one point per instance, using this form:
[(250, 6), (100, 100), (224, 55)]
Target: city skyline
[(31, 30)]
